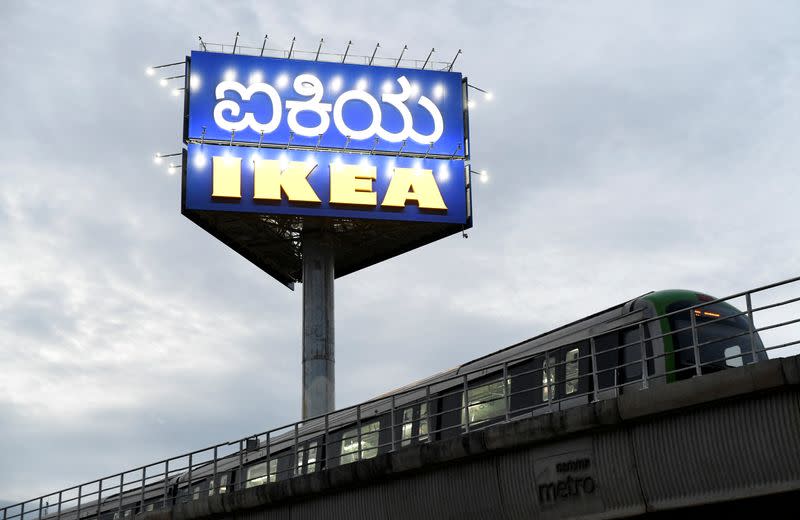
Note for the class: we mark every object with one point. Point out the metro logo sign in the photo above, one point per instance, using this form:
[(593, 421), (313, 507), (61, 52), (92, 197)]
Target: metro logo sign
[(321, 105), (326, 184)]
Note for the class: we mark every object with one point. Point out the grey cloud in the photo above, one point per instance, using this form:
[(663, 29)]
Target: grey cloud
[(633, 146)]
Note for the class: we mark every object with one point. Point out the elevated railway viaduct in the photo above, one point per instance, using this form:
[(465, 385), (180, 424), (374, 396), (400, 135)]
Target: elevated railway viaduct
[(723, 443)]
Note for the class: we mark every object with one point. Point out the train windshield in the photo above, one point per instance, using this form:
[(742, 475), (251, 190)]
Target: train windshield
[(723, 336)]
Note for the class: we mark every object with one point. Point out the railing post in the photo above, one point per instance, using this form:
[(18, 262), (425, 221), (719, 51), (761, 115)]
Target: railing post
[(99, 498), (121, 484), (144, 482), (80, 493), (550, 387), (269, 475), (189, 481), (506, 397), (392, 412), (751, 326), (644, 356), (325, 441), (358, 429), (166, 476), (428, 412), (695, 342), (60, 497), (214, 476), (594, 368), (22, 508), (465, 400), (296, 449), (42, 498), (242, 481)]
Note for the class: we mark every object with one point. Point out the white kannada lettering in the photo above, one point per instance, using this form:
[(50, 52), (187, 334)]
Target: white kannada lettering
[(310, 85), (338, 120), (249, 119), (398, 102), (438, 123)]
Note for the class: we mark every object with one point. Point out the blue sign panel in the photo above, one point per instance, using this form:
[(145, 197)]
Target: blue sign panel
[(334, 106), (324, 184)]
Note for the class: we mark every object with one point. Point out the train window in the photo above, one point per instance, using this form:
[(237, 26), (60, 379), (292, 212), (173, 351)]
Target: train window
[(486, 402), (349, 449), (370, 439), (196, 492), (414, 428), (309, 454), (257, 474), (606, 357), (732, 361), (408, 415), (223, 482), (525, 388), (571, 378), (369, 443), (312, 456), (149, 507), (630, 351), (717, 331)]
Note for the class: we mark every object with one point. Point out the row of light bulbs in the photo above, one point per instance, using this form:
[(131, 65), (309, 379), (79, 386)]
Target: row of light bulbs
[(173, 168)]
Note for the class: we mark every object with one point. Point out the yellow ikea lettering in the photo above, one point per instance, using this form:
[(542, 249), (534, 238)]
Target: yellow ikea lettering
[(413, 184), (269, 180), (352, 184), (349, 184), (227, 177)]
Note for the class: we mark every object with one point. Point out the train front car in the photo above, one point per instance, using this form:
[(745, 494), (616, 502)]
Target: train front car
[(692, 323)]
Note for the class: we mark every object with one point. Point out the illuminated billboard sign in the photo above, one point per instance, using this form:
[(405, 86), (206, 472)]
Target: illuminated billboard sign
[(325, 184), (273, 102), (375, 157)]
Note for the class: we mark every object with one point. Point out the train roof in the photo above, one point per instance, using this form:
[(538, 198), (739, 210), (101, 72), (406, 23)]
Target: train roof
[(660, 299), (492, 357)]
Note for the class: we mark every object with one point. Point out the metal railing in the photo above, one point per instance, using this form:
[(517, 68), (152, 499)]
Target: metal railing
[(651, 351), (326, 55)]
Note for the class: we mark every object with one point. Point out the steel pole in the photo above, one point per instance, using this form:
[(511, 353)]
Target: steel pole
[(318, 330)]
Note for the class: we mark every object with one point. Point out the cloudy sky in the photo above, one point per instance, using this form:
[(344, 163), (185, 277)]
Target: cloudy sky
[(633, 146)]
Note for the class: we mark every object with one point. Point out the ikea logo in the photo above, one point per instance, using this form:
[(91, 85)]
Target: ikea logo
[(350, 184), (325, 183)]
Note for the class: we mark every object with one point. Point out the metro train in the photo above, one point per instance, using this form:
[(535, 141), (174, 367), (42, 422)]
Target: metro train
[(597, 357)]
